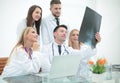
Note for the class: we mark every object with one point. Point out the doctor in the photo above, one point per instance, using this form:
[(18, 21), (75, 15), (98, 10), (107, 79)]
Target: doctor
[(51, 21), (53, 49), (23, 59), (58, 47)]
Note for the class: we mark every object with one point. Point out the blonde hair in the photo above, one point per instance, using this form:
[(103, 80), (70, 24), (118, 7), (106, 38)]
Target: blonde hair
[(69, 41), (21, 41)]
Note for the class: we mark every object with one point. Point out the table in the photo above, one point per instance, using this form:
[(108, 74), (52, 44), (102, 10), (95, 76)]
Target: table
[(21, 79), (106, 78), (41, 78)]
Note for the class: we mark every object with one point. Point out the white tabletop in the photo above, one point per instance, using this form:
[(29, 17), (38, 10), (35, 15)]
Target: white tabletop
[(1, 80), (40, 77)]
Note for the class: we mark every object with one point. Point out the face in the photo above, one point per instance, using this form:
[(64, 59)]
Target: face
[(56, 10), (32, 35), (74, 36), (60, 34), (37, 14)]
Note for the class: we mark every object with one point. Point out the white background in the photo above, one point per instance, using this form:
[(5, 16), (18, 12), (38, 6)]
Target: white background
[(13, 11)]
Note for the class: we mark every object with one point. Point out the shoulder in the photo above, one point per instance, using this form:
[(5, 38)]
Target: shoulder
[(48, 17), (47, 45), (18, 53), (18, 49), (22, 22), (21, 25)]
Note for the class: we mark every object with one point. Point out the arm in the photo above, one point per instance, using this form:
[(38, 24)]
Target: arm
[(25, 64), (85, 52), (45, 64), (19, 64)]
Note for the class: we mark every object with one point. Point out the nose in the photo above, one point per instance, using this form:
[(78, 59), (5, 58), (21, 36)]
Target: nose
[(36, 35)]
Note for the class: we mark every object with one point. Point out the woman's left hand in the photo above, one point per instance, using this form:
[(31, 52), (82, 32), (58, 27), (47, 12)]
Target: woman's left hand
[(35, 46)]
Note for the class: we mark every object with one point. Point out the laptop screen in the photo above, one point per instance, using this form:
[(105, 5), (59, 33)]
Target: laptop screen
[(64, 66)]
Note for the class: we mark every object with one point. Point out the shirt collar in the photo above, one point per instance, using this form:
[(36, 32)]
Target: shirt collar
[(56, 44), (53, 17)]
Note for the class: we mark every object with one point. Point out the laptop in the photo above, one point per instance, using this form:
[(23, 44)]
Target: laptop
[(63, 66)]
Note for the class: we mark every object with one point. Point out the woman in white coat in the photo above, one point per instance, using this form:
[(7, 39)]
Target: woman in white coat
[(23, 60), (75, 44), (33, 19)]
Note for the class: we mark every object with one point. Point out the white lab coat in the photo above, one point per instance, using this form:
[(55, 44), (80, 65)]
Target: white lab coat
[(85, 52), (84, 69), (21, 64), (21, 26), (47, 26), (51, 50)]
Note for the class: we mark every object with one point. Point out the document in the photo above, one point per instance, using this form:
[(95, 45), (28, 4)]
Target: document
[(90, 25)]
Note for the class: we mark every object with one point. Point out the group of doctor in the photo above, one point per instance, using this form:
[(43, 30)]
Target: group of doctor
[(28, 57)]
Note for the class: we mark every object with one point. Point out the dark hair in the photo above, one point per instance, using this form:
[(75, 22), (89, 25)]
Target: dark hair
[(30, 19), (55, 2), (57, 27)]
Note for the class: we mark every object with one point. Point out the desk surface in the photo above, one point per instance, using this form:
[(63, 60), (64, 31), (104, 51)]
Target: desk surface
[(38, 79), (21, 79)]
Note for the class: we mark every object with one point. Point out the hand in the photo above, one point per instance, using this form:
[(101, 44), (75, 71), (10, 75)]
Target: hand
[(97, 36)]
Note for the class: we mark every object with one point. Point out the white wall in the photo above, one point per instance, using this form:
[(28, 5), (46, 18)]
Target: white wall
[(110, 29), (12, 12)]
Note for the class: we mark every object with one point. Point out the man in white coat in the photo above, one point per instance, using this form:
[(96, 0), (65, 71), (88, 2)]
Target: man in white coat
[(51, 21), (58, 48)]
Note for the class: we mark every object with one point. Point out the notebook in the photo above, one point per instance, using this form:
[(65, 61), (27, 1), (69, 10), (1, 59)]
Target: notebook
[(90, 25), (64, 66)]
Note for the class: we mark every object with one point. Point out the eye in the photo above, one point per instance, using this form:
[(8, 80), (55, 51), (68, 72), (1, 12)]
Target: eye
[(33, 31), (37, 12), (73, 34)]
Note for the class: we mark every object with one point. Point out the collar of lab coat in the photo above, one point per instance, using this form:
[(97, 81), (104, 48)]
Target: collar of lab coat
[(52, 17), (56, 44)]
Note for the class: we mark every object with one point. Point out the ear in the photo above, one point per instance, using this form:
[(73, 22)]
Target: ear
[(50, 9), (54, 34)]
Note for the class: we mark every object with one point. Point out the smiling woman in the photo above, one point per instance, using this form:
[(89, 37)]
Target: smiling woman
[(23, 59)]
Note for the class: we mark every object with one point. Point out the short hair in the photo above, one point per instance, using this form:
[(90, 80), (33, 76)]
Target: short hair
[(55, 2), (57, 27)]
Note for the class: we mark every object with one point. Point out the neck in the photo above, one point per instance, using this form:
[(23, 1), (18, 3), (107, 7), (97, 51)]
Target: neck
[(27, 48), (76, 46), (27, 45), (59, 42)]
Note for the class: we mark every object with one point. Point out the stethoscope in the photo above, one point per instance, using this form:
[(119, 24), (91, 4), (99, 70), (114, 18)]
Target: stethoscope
[(64, 50), (53, 54)]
